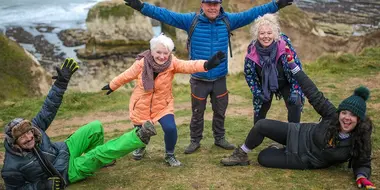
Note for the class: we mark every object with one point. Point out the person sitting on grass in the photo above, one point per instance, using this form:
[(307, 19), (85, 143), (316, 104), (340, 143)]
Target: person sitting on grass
[(152, 98), (343, 134), (32, 161)]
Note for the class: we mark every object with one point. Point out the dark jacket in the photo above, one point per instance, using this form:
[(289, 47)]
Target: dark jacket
[(208, 37), (22, 169), (308, 139)]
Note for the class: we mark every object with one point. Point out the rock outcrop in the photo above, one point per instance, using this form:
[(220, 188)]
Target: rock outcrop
[(21, 74)]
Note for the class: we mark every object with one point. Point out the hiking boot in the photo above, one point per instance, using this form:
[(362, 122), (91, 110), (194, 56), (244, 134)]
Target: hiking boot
[(139, 153), (146, 131), (238, 157), (193, 146), (223, 143), (171, 160)]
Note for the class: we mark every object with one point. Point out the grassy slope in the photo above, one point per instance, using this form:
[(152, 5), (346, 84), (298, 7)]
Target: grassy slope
[(336, 76), (16, 79)]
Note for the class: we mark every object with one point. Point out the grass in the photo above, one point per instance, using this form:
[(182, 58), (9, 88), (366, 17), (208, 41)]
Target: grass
[(15, 71), (108, 9), (335, 75)]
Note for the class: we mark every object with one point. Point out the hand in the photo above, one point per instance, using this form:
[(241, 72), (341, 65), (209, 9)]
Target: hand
[(214, 61), (135, 4), (293, 98), (53, 183), (290, 58), (283, 3), (107, 87), (364, 182), (263, 99), (65, 72)]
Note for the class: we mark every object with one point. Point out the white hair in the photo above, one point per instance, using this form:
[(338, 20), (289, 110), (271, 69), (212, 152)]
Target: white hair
[(163, 40), (269, 20)]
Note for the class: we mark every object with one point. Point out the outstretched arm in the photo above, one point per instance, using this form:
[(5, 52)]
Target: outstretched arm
[(178, 20), (54, 98), (241, 19), (128, 75), (316, 98)]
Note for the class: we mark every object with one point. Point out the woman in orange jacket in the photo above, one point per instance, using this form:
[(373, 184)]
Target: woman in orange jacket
[(152, 98)]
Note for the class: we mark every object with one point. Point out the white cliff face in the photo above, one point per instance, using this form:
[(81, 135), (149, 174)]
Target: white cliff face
[(42, 79), (137, 27)]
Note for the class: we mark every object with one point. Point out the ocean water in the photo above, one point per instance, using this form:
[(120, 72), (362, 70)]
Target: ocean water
[(62, 14)]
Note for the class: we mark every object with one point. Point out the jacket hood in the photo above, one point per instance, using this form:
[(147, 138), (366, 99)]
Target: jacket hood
[(14, 128)]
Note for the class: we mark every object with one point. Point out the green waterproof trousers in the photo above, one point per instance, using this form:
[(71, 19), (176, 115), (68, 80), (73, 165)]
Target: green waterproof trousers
[(88, 153)]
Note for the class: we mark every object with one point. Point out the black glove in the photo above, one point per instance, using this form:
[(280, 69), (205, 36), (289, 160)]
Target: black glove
[(52, 183), (107, 87), (67, 69), (283, 3), (135, 4), (214, 61)]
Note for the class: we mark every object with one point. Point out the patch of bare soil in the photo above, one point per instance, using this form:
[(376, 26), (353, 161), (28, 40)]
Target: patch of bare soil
[(113, 121)]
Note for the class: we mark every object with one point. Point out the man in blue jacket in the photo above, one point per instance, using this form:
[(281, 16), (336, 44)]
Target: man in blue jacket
[(209, 36), (33, 162)]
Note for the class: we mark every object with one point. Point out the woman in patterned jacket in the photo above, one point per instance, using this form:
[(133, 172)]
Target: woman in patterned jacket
[(267, 72)]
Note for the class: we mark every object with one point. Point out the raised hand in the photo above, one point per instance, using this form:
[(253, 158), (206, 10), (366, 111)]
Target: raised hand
[(65, 72), (107, 87), (135, 4), (214, 61), (283, 3)]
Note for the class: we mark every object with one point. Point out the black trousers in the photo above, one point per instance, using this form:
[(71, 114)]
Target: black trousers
[(219, 101), (272, 157), (294, 110)]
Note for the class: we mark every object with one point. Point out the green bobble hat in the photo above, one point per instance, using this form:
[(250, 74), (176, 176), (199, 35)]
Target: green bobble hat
[(356, 103)]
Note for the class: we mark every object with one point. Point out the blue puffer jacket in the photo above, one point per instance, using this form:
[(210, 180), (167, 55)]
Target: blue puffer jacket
[(22, 169), (208, 37)]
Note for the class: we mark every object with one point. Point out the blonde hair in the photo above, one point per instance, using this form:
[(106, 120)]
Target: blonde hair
[(270, 20), (162, 39)]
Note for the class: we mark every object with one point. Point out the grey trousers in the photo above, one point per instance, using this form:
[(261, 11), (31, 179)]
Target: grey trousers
[(219, 100)]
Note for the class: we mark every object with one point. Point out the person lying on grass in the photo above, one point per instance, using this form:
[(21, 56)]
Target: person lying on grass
[(343, 134), (33, 162), (152, 98)]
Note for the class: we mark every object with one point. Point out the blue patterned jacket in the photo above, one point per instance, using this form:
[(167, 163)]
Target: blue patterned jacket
[(253, 81)]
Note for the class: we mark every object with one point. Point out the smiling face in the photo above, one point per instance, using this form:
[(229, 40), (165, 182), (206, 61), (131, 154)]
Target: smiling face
[(26, 141), (211, 10), (265, 35), (348, 121), (160, 54)]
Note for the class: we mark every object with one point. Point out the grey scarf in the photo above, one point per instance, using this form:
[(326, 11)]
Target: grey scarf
[(150, 67), (269, 68)]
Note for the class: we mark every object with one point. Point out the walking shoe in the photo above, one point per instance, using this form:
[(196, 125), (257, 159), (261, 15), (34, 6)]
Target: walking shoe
[(172, 161), (139, 153), (238, 157), (223, 143), (193, 146), (146, 131)]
